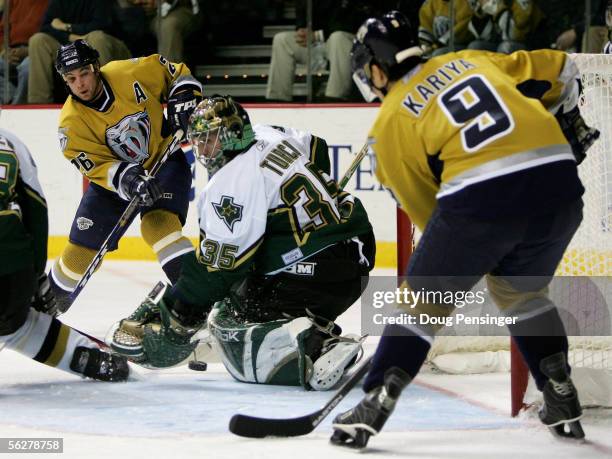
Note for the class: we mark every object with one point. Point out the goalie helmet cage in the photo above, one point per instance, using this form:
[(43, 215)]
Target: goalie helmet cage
[(589, 254)]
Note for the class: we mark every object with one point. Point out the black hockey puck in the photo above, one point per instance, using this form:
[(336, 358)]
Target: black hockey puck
[(197, 365)]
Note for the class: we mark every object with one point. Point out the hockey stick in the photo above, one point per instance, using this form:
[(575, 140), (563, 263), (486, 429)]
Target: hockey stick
[(254, 427), (126, 218), (354, 165)]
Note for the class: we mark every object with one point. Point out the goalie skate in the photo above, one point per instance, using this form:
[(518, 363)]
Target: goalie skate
[(337, 357)]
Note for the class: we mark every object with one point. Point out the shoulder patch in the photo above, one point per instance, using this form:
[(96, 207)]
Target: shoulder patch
[(63, 138), (228, 211)]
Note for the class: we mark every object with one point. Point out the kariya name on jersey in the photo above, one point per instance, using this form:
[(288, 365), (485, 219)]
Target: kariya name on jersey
[(417, 99), (129, 138)]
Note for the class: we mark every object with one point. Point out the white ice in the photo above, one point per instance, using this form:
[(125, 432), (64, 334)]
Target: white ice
[(182, 413)]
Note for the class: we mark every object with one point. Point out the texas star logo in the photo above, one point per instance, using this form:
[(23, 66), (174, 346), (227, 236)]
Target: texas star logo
[(228, 211)]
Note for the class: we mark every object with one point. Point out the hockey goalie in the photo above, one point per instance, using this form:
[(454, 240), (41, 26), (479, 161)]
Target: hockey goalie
[(283, 252)]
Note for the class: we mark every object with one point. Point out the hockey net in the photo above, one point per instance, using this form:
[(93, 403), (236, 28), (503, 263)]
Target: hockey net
[(589, 254)]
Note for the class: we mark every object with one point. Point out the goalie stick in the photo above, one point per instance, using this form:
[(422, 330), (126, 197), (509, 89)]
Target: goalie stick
[(126, 218), (254, 427)]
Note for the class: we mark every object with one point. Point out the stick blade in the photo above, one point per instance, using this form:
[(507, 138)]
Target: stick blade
[(254, 427)]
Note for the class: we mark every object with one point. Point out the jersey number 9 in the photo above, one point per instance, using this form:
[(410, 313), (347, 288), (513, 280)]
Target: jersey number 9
[(474, 105)]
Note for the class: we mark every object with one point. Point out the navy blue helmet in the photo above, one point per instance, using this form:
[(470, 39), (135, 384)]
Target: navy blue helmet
[(391, 42), (75, 55)]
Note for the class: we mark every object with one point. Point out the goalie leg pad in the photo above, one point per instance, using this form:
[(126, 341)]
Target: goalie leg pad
[(280, 351), (265, 353)]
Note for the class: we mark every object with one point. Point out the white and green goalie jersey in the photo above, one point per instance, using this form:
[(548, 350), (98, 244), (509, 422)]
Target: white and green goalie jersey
[(266, 209)]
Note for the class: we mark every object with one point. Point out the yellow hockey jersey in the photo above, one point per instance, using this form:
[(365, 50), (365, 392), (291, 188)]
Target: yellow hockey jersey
[(126, 127), (453, 131), (434, 22), (526, 16)]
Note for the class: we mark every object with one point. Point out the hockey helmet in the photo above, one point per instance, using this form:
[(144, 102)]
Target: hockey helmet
[(75, 55), (219, 124), (391, 42)]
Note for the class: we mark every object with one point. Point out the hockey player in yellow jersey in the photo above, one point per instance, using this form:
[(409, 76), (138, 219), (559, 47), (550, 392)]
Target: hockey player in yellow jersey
[(474, 146), (435, 25), (112, 129)]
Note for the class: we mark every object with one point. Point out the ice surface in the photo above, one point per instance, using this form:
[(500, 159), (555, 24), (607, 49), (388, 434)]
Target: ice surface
[(182, 413)]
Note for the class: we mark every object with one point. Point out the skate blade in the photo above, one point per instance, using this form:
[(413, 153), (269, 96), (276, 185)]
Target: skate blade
[(358, 440), (575, 431)]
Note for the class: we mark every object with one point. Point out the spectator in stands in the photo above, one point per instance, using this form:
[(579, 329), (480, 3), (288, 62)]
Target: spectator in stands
[(178, 19), (25, 19), (66, 21), (334, 23), (435, 26), (502, 25), (133, 29), (566, 25)]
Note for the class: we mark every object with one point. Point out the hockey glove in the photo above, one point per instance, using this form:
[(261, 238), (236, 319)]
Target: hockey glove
[(578, 134), (44, 299), (136, 183), (180, 107)]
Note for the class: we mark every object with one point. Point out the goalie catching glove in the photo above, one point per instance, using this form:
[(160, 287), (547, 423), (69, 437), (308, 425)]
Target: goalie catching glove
[(155, 335)]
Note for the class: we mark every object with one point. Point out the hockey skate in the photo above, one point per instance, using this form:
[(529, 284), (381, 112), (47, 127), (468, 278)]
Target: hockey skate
[(561, 405), (354, 427), (337, 356), (99, 365)]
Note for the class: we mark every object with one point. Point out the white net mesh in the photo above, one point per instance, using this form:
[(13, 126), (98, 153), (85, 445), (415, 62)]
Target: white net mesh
[(589, 254)]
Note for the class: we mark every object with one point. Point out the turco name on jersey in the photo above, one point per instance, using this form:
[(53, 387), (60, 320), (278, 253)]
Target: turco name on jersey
[(126, 125), (459, 132)]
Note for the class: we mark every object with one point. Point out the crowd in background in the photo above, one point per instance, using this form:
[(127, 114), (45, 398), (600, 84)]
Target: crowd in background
[(186, 31)]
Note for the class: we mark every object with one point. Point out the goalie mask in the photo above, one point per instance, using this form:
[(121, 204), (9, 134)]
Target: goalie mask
[(219, 125), (391, 43)]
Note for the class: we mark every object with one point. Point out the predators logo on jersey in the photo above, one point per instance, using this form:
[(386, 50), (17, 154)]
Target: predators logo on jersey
[(129, 138)]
